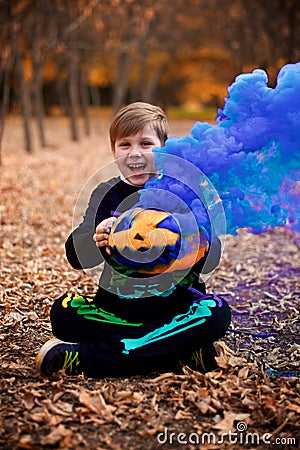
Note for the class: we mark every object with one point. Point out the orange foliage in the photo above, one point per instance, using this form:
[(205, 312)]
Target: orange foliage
[(27, 67), (100, 75), (205, 73), (50, 71)]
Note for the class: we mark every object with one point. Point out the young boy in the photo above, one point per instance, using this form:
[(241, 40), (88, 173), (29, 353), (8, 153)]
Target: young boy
[(114, 332)]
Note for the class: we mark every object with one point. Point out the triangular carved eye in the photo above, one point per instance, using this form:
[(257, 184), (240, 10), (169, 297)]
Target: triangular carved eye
[(138, 237)]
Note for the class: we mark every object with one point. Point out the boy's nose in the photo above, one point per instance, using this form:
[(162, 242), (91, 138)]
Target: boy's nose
[(135, 151)]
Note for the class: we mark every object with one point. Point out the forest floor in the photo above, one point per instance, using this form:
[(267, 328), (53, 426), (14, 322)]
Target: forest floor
[(245, 403)]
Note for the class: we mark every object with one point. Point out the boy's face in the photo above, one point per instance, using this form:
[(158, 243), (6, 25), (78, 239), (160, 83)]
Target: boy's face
[(134, 157)]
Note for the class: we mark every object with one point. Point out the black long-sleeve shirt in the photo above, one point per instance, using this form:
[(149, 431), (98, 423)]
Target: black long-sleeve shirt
[(112, 198)]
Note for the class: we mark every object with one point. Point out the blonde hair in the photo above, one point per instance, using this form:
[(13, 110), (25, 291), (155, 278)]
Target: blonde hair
[(134, 117)]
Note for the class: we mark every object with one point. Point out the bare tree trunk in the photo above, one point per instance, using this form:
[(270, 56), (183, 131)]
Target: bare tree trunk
[(5, 105), (38, 96), (96, 100), (293, 29), (73, 93), (95, 96), (84, 96), (121, 83), (150, 88), (24, 94), (136, 92), (62, 95)]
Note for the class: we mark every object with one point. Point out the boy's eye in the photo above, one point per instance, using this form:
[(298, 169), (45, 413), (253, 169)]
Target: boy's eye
[(146, 143)]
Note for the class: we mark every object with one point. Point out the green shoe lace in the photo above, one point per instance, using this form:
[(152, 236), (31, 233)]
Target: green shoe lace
[(71, 362), (197, 358)]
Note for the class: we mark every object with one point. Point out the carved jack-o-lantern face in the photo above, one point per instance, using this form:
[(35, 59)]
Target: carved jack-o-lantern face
[(143, 231), (149, 241)]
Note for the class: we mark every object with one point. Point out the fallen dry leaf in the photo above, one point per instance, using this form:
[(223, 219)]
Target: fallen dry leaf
[(95, 402), (59, 434), (258, 276)]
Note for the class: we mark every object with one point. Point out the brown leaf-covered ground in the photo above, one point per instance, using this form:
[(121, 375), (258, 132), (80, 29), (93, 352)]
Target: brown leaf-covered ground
[(239, 405)]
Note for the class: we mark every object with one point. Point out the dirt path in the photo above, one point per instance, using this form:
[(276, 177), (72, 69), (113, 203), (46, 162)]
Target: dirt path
[(259, 276)]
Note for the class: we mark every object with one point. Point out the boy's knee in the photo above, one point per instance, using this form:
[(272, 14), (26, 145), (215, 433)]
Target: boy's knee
[(221, 316), (226, 313), (59, 318)]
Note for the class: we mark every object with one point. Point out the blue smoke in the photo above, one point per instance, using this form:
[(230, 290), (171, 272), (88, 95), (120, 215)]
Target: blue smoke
[(251, 157)]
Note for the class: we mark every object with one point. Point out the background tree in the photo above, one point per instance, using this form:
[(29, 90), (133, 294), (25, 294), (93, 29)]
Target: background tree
[(67, 55), (6, 64)]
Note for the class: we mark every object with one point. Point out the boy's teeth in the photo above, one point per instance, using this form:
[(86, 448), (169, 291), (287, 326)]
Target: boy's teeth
[(136, 166)]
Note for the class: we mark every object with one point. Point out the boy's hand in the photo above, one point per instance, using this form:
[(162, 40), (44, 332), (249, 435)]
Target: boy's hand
[(102, 232)]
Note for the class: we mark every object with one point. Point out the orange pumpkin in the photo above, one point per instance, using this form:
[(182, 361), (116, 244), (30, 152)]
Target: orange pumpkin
[(149, 241)]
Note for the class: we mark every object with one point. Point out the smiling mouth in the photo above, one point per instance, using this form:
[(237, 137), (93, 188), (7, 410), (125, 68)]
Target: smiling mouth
[(136, 167)]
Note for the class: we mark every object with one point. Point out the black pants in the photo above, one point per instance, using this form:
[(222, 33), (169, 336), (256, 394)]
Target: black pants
[(122, 337)]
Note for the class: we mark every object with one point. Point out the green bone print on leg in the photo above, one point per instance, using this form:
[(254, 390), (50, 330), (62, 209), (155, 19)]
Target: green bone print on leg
[(88, 309), (196, 315)]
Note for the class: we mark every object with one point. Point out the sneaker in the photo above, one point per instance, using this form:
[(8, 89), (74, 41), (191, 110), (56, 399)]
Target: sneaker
[(56, 355), (203, 359)]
